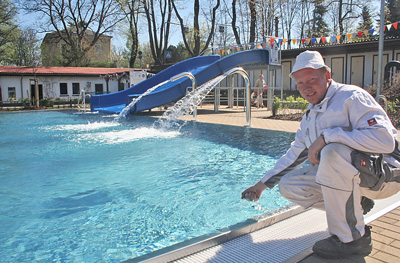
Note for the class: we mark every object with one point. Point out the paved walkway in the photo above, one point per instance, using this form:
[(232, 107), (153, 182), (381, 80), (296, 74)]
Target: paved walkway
[(385, 229)]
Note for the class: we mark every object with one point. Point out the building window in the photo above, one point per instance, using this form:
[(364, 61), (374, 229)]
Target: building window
[(98, 88), (75, 89), (121, 86), (11, 93), (64, 49), (97, 49), (63, 89)]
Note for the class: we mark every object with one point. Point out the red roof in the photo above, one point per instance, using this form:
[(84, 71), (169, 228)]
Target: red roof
[(18, 70)]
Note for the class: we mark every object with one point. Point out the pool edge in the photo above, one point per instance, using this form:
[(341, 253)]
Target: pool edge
[(200, 243)]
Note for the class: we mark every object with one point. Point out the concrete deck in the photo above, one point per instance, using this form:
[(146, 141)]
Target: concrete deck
[(386, 226)]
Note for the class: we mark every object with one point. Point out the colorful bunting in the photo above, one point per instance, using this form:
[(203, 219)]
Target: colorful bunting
[(305, 41)]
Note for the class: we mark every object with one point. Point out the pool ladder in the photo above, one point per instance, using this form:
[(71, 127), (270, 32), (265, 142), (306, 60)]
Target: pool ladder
[(237, 70)]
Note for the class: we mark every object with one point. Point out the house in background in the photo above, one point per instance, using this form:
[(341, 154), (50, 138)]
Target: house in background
[(53, 46), (351, 63), (60, 82)]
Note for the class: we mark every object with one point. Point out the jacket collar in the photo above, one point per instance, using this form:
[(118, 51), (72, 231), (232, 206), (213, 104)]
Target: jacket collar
[(321, 107)]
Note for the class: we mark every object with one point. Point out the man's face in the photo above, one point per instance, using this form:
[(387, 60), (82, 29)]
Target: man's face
[(312, 84)]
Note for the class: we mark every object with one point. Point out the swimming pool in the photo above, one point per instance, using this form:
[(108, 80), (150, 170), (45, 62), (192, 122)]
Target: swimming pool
[(83, 188)]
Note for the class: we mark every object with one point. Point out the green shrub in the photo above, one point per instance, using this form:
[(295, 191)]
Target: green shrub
[(276, 106)]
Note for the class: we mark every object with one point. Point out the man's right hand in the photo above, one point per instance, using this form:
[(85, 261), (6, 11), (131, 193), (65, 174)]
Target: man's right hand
[(254, 192)]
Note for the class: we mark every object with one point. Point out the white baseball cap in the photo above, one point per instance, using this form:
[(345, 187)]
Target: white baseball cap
[(309, 59)]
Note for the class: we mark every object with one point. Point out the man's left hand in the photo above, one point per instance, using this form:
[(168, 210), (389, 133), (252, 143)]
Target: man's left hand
[(315, 149)]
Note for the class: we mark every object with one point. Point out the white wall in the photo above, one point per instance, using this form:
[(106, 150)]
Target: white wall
[(51, 86)]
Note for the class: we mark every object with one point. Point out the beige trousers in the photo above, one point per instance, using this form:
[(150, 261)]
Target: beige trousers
[(334, 186)]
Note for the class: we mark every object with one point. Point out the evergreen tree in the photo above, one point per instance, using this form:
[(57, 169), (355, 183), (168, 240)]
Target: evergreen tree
[(366, 20), (394, 10), (392, 14), (319, 26)]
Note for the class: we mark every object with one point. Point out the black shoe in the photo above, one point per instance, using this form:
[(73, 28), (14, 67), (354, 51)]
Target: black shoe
[(333, 248), (367, 204)]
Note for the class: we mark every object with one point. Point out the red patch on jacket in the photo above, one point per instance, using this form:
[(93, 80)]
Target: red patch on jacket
[(372, 122), (363, 163)]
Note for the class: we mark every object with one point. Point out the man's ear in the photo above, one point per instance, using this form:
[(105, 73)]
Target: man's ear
[(328, 75)]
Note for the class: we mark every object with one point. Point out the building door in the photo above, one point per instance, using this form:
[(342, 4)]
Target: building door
[(338, 69), (286, 81), (357, 71), (375, 67), (40, 91)]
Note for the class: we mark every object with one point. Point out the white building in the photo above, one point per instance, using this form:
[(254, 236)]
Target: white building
[(60, 82)]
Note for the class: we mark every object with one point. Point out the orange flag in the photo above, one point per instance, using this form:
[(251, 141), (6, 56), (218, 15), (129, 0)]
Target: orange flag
[(395, 25), (323, 39)]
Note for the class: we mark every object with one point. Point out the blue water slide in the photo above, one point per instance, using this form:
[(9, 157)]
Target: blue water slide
[(173, 91), (116, 102)]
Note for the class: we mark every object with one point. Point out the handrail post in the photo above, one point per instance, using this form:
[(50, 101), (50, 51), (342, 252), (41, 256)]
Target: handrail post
[(194, 86), (244, 74), (382, 97)]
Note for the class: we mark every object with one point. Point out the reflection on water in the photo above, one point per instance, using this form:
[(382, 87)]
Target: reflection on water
[(81, 188)]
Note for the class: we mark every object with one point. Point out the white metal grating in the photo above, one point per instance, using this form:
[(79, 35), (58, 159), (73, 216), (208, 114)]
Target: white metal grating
[(281, 241)]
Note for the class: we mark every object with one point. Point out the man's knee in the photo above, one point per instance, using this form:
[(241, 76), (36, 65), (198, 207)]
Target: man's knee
[(332, 151), (335, 168), (301, 190), (286, 187)]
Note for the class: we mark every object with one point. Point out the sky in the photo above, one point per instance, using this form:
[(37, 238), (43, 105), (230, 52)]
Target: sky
[(119, 41)]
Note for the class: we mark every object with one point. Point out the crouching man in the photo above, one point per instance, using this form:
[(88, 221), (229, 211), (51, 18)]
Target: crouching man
[(343, 124)]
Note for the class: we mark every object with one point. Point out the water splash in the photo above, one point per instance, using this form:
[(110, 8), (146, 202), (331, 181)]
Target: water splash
[(185, 106), (124, 136), (127, 109), (83, 127)]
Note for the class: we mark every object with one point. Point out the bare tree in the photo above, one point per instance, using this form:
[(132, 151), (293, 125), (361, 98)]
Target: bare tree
[(234, 27), (345, 11), (78, 24), (253, 20), (306, 12), (131, 9), (158, 14), (7, 29), (197, 49), (27, 51), (288, 10)]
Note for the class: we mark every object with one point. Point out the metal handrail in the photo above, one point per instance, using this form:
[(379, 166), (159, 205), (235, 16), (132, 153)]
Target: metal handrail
[(194, 86), (385, 103), (244, 74)]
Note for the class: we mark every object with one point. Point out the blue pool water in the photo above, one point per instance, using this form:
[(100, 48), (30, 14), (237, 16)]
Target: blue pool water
[(82, 188)]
